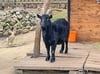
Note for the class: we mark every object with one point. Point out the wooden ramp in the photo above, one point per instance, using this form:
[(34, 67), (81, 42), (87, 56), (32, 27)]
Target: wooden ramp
[(73, 61)]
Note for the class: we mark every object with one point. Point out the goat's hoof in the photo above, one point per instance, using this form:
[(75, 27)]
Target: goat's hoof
[(52, 60), (47, 58), (66, 52), (61, 51)]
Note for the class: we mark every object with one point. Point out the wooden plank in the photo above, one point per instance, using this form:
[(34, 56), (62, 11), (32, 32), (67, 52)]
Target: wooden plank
[(93, 61), (19, 71), (72, 61), (41, 64)]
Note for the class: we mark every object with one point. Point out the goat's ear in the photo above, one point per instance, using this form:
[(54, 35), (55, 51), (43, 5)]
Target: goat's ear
[(38, 16), (50, 16)]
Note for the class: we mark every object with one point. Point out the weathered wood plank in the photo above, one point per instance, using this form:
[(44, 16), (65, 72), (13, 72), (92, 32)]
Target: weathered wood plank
[(72, 61), (40, 64), (93, 61), (19, 71)]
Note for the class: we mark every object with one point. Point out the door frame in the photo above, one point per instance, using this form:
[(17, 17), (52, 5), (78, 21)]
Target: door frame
[(68, 10)]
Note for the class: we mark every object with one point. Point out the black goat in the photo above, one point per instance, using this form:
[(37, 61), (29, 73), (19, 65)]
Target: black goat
[(54, 33)]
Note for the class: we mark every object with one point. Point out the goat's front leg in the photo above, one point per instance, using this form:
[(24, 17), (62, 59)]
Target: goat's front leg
[(53, 48), (48, 52)]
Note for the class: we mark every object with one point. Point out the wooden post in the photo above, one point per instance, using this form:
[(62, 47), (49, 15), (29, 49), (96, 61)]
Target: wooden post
[(36, 50)]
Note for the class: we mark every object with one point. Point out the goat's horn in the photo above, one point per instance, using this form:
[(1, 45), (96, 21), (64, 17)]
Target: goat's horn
[(49, 11)]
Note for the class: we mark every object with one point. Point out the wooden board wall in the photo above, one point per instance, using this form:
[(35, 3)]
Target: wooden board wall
[(85, 19)]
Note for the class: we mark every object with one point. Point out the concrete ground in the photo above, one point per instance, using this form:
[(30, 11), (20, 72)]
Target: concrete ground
[(23, 44)]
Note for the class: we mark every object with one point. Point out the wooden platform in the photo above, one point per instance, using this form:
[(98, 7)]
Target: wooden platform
[(77, 61), (93, 61)]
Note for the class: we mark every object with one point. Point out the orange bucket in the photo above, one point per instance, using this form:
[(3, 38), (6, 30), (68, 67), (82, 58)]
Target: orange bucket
[(72, 36)]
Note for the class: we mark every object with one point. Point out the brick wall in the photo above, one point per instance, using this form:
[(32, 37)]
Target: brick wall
[(85, 19)]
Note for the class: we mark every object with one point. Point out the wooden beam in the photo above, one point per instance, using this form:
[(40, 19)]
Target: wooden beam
[(36, 49)]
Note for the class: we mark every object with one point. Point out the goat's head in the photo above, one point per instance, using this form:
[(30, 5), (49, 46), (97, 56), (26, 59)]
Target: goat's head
[(45, 20)]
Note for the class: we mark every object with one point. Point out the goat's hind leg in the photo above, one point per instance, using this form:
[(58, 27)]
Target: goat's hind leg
[(62, 48), (66, 49)]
